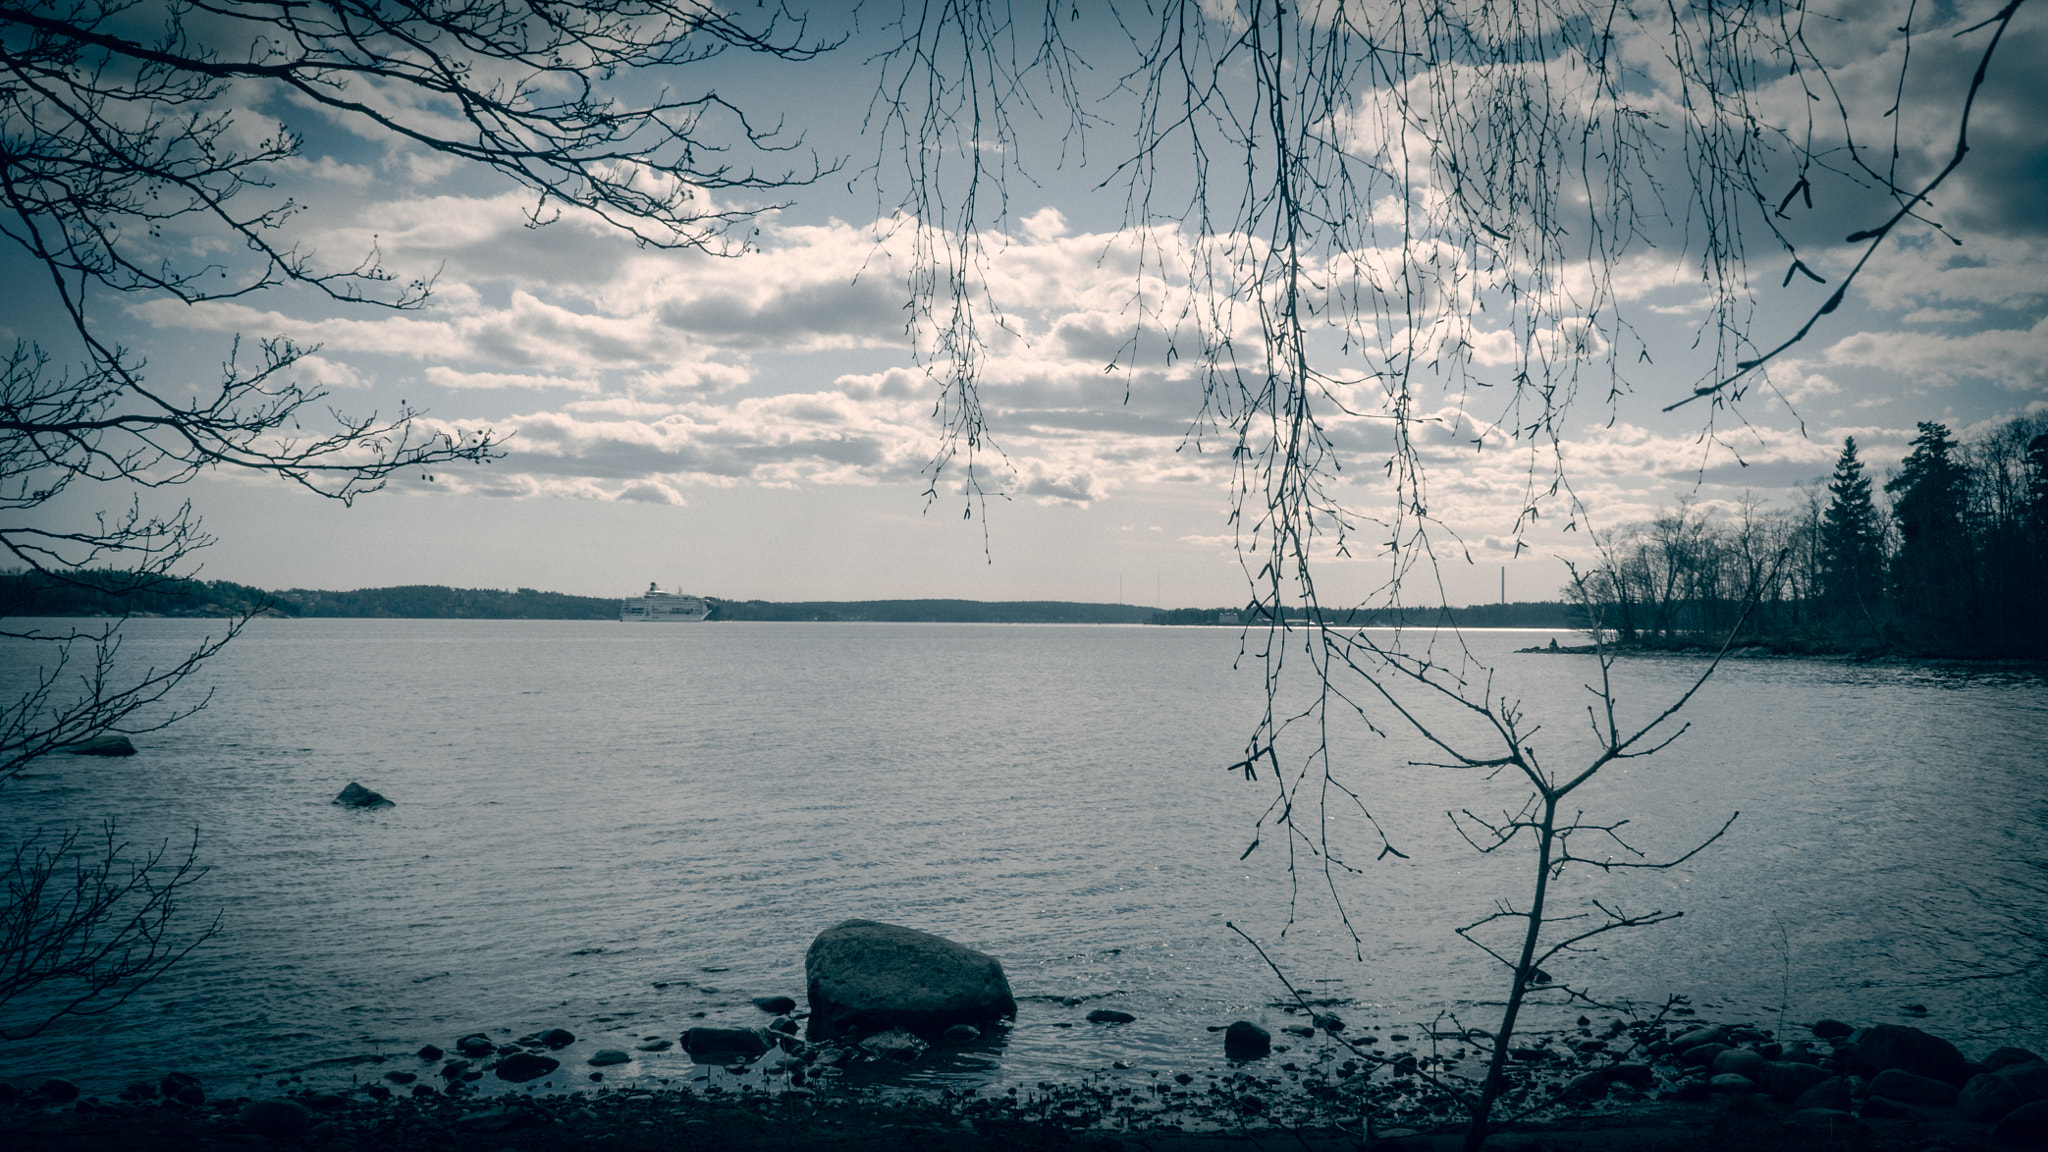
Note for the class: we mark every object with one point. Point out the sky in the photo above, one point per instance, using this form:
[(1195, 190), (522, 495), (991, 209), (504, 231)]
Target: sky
[(756, 427)]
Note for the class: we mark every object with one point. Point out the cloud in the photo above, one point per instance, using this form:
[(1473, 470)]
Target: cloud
[(2012, 358), (450, 378)]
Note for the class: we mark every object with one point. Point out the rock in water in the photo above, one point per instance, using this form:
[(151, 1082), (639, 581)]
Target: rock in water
[(897, 1044), (1244, 1040), (1882, 1046), (1110, 1016), (520, 1067), (101, 746), (183, 1087), (719, 1045), (557, 1038), (775, 1005), (357, 796), (609, 1056), (277, 1119), (866, 976)]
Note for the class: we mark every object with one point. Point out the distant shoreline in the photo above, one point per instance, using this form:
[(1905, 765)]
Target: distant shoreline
[(106, 595)]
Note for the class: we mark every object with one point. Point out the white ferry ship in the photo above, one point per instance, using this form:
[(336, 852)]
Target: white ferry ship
[(658, 606)]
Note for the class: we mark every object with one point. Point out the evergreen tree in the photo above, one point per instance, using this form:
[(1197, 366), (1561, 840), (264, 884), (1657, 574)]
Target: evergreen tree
[(1930, 576), (1851, 556), (2037, 487)]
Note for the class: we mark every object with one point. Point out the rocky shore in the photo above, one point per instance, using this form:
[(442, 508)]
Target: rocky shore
[(1613, 1085)]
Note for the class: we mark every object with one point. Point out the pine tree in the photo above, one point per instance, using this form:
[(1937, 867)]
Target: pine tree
[(1851, 556), (1931, 573)]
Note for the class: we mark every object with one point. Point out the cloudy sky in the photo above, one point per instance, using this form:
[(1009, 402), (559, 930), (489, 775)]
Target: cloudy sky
[(756, 426)]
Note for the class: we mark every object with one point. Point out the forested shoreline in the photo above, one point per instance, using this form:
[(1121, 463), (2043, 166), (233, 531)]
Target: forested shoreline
[(1948, 558)]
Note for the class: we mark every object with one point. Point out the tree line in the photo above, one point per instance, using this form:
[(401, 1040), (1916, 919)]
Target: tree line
[(1948, 558)]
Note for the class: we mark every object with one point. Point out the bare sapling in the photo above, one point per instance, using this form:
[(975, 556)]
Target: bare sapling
[(1497, 738), (86, 924)]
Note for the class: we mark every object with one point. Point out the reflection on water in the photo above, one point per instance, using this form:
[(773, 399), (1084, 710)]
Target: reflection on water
[(628, 830)]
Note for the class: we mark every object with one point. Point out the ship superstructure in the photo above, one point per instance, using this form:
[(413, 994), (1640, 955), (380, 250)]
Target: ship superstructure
[(656, 606)]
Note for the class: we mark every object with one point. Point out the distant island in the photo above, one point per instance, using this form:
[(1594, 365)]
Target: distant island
[(111, 594)]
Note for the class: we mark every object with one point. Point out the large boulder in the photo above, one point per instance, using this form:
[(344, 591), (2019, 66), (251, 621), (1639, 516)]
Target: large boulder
[(1244, 1040), (1872, 1050), (866, 977)]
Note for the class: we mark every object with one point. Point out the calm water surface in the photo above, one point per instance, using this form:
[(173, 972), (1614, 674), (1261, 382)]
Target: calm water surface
[(587, 810)]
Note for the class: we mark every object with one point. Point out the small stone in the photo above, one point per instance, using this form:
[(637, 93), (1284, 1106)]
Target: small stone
[(1880, 1108), (476, 1044), (277, 1119), (2031, 1078), (1701, 1055), (721, 1044), (784, 1025), (1730, 1082), (656, 1046), (1110, 1016), (897, 1044), (1637, 1075), (454, 1069), (520, 1067), (1244, 1040), (1329, 1021), (57, 1091), (2000, 1057), (503, 1119), (961, 1034), (556, 1038), (1906, 1088), (1987, 1098), (1586, 1086), (1832, 1093), (400, 1077), (775, 1005), (1744, 1062), (609, 1056), (1829, 1121), (1882, 1046), (1831, 1029), (182, 1087), (1787, 1080), (1698, 1036), (424, 1090), (138, 1090), (431, 1053), (2026, 1126)]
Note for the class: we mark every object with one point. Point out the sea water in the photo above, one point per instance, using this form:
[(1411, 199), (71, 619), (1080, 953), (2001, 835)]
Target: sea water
[(628, 830)]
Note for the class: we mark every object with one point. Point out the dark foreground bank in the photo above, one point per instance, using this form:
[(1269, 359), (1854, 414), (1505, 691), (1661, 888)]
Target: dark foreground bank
[(628, 1121), (1683, 1087)]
